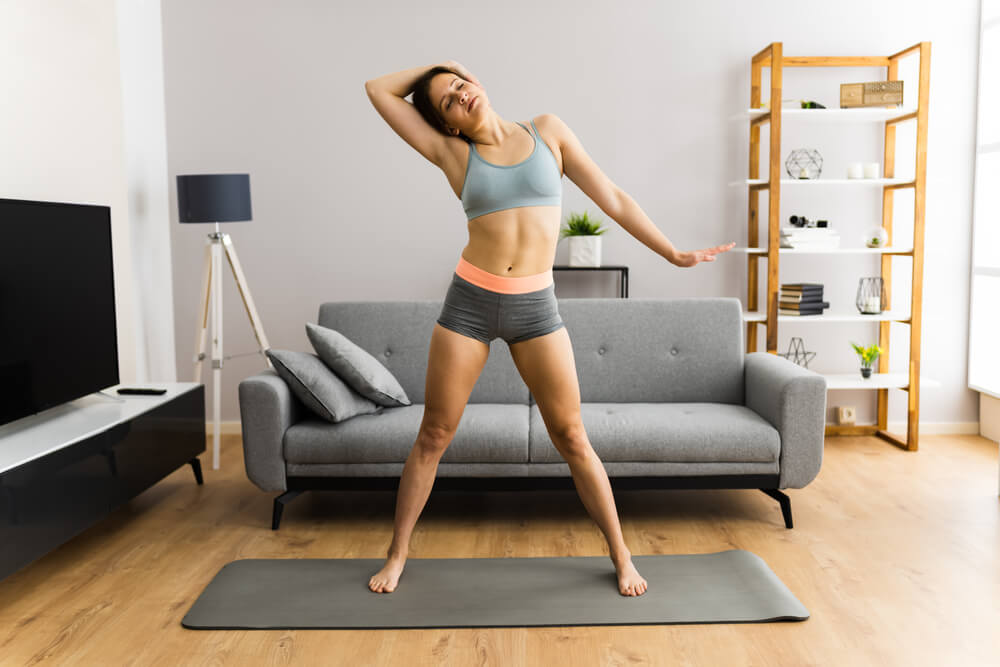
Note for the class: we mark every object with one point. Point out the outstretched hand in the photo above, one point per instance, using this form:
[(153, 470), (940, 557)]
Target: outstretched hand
[(692, 257)]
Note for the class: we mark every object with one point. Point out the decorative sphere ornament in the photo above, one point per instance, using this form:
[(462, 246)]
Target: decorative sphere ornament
[(877, 237), (804, 163)]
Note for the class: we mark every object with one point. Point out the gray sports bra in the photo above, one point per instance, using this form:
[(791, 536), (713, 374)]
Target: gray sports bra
[(489, 187)]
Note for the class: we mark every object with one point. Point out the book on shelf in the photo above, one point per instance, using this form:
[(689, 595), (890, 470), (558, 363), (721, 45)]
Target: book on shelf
[(829, 244), (794, 298), (810, 295), (800, 304), (801, 299), (803, 307), (786, 311), (818, 238)]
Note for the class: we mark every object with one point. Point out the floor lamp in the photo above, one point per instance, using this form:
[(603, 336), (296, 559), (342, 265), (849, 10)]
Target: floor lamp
[(218, 198)]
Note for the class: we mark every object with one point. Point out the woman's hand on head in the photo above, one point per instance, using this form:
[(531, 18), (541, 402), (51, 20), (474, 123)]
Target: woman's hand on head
[(464, 72), (692, 257)]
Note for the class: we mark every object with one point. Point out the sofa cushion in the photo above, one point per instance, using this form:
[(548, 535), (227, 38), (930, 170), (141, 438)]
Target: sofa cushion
[(398, 334), (487, 433), (684, 432), (353, 365), (318, 387)]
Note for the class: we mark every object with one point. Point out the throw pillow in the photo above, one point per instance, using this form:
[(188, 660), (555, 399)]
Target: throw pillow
[(318, 387), (356, 367)]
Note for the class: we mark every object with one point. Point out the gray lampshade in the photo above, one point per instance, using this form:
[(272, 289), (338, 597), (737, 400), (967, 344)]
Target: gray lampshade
[(214, 198)]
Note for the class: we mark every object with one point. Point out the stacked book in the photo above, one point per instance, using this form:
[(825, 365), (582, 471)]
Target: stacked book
[(801, 299), (811, 238)]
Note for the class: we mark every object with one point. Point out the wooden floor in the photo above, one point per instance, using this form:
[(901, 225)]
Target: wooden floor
[(895, 554)]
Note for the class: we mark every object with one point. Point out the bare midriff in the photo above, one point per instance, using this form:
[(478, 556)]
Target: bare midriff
[(511, 251)]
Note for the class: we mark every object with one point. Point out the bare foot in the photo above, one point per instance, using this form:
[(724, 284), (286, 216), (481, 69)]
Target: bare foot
[(630, 582), (385, 580)]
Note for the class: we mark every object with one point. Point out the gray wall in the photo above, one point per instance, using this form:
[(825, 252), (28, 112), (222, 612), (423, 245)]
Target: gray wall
[(345, 209)]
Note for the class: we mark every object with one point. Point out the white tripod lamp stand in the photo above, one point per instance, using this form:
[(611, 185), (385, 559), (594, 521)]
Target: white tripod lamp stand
[(215, 198)]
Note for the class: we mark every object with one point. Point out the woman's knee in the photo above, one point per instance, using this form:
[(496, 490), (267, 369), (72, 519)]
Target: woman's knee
[(435, 436), (570, 439)]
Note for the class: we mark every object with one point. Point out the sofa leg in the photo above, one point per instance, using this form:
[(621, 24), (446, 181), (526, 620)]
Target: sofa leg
[(786, 504), (279, 504)]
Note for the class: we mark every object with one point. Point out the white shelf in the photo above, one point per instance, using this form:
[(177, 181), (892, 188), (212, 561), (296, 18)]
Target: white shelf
[(60, 426), (825, 181), (876, 381), (862, 115), (888, 250), (886, 316)]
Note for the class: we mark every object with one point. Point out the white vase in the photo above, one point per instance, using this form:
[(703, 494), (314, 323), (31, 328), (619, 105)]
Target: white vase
[(585, 250)]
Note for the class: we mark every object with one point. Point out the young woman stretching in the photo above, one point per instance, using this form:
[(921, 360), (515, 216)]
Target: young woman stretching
[(508, 178)]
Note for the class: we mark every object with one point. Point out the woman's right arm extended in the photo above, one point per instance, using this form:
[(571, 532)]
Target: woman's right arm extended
[(387, 94)]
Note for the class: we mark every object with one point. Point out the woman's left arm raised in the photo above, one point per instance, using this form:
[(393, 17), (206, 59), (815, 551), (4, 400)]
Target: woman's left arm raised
[(617, 203)]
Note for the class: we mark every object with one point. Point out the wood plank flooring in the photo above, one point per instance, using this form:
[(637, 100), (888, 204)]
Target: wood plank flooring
[(895, 554)]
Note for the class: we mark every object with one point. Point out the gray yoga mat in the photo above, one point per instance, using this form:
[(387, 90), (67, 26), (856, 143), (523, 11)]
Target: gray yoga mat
[(733, 586)]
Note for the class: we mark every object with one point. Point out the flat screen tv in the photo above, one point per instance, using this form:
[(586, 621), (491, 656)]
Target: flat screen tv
[(58, 339)]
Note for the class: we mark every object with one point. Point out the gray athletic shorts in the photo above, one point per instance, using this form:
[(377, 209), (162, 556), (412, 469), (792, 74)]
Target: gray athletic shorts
[(483, 314)]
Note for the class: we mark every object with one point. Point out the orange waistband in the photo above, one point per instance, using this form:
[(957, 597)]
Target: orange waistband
[(504, 284)]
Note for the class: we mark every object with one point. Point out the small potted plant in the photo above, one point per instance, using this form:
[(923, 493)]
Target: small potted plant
[(868, 355), (877, 237), (584, 240)]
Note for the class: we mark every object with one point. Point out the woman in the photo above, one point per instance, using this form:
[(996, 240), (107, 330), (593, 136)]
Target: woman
[(508, 178)]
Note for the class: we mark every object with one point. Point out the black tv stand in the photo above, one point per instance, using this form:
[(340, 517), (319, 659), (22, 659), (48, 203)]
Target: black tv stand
[(65, 469)]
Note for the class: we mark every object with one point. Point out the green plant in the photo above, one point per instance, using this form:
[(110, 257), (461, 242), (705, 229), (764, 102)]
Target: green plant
[(868, 354), (578, 224)]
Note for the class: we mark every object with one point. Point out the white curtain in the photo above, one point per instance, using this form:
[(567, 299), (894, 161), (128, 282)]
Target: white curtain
[(984, 309)]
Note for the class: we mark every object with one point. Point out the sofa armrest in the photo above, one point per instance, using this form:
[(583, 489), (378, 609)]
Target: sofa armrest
[(791, 398), (267, 409)]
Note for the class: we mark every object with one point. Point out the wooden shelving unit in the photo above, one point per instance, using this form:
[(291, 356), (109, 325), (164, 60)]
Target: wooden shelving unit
[(882, 380)]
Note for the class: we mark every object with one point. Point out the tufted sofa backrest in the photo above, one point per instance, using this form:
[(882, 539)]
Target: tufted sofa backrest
[(625, 350), (657, 350)]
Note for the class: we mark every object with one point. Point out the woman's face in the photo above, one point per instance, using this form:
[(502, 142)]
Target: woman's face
[(451, 96)]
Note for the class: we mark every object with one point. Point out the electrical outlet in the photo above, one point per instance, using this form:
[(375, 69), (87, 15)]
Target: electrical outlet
[(845, 414)]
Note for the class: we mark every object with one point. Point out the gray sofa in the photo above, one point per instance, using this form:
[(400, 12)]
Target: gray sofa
[(669, 399)]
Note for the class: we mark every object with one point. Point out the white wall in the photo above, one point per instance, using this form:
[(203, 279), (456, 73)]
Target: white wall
[(61, 133), (144, 126), (344, 209)]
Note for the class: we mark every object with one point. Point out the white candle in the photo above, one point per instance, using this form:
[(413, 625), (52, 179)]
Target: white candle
[(855, 170), (871, 170)]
